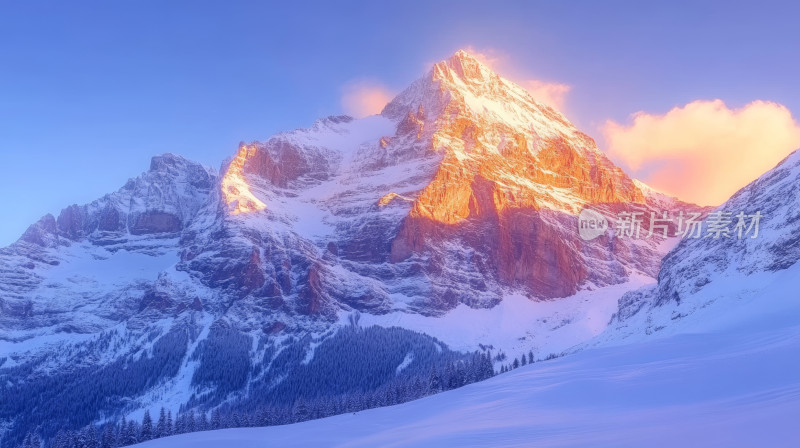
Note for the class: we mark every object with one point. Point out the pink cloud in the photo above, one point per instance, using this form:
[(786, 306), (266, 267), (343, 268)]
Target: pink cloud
[(489, 57), (363, 98), (704, 152), (553, 94)]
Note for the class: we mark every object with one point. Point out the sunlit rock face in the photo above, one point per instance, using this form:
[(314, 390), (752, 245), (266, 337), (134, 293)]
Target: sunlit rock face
[(513, 175), (463, 187)]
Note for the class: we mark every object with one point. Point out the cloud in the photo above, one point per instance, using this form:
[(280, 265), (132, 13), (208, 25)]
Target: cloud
[(368, 97), (704, 151), (363, 98), (553, 94), (489, 57)]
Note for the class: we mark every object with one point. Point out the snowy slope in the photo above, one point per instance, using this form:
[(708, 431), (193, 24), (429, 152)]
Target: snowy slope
[(518, 324), (733, 384)]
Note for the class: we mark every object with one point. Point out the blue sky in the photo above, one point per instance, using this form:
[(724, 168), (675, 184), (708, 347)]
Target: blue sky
[(89, 91)]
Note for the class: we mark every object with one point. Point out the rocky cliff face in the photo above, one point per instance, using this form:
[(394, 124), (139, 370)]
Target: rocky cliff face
[(513, 173), (462, 187)]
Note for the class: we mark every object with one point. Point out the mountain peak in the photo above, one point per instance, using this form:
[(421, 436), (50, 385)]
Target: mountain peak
[(464, 86), (163, 162), (459, 76), (465, 67), (463, 54)]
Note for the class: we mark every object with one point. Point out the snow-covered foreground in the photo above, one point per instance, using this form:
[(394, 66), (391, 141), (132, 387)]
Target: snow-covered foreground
[(727, 388)]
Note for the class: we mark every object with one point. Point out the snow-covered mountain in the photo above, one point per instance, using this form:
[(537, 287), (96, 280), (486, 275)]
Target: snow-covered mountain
[(463, 180), (452, 214), (87, 269)]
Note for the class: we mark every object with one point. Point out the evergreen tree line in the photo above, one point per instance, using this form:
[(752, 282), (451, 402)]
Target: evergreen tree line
[(74, 397), (355, 369), (452, 375), (353, 360), (524, 360)]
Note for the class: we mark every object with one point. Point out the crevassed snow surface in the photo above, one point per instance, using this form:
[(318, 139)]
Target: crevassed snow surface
[(732, 383)]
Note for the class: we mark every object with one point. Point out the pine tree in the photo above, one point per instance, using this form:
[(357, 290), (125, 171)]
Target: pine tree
[(225, 420), (263, 416), (215, 419), (87, 437), (170, 428), (81, 438), (121, 432), (190, 422), (180, 424), (530, 357), (488, 367), (147, 427), (107, 440), (131, 433), (447, 378), (202, 422), (435, 381), (60, 440), (300, 410), (161, 426)]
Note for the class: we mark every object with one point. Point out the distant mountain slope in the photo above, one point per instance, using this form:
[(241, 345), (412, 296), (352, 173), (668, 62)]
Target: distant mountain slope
[(710, 281), (89, 268)]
